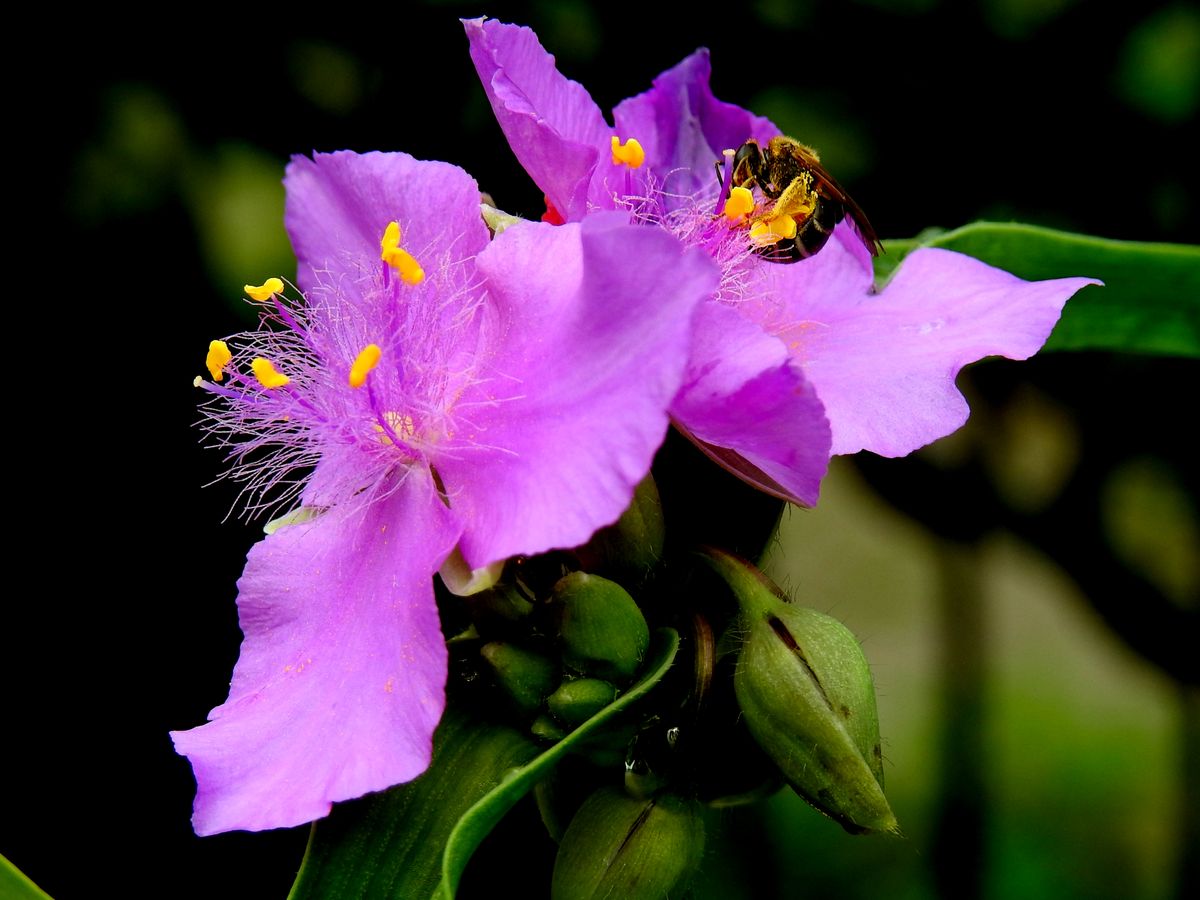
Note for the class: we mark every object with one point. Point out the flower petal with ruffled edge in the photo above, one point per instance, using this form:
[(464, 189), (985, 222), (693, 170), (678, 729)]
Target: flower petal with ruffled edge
[(555, 128), (595, 327), (751, 409), (341, 677), (884, 363), (338, 205), (683, 128)]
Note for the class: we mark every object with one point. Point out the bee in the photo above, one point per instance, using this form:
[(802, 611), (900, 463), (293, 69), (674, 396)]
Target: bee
[(791, 174)]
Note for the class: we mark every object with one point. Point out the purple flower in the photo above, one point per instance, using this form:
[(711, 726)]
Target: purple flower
[(430, 390), (789, 363)]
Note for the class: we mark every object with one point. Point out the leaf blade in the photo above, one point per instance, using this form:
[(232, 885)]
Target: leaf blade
[(1150, 302)]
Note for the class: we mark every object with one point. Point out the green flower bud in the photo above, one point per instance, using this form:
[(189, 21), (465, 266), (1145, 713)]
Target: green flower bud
[(545, 728), (630, 547), (527, 677), (806, 692), (618, 846), (497, 220), (577, 701), (603, 632), (498, 609)]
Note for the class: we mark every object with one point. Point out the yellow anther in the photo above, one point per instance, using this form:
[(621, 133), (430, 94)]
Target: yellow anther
[(391, 239), (410, 270), (740, 203), (400, 260), (218, 358), (769, 231), (629, 154), (367, 359), (265, 372), (264, 291)]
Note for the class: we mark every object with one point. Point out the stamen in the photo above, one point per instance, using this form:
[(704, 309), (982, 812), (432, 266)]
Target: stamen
[(400, 260), (264, 291), (218, 358), (367, 359), (266, 373), (629, 154), (740, 203), (726, 179)]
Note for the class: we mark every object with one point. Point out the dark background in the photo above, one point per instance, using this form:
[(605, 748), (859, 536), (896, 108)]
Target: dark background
[(162, 164)]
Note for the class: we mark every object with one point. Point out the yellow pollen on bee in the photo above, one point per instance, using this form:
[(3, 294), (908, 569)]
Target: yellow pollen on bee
[(740, 203), (775, 229), (367, 359), (218, 358), (266, 373), (628, 154), (261, 292), (400, 260)]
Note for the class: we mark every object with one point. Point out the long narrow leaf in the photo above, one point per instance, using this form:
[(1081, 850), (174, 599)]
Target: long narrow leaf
[(1150, 302), (15, 884)]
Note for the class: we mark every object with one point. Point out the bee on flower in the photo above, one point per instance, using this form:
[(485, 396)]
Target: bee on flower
[(790, 364)]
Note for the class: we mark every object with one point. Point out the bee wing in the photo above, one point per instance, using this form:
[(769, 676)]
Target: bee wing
[(827, 186)]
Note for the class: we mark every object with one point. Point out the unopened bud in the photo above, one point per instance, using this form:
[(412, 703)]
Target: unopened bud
[(577, 701), (806, 692), (603, 632), (618, 846), (497, 220), (547, 729), (629, 548), (495, 610), (526, 677)]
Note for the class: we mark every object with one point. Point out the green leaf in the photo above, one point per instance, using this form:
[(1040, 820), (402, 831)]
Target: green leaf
[(415, 840), (483, 816), (1150, 302), (15, 884), (387, 844)]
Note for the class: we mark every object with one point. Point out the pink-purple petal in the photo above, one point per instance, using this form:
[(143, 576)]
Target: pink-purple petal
[(593, 333), (555, 129), (884, 364), (341, 678), (750, 408), (683, 128), (338, 205)]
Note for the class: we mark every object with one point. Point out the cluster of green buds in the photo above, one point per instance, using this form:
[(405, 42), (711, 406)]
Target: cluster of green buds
[(601, 640), (762, 692)]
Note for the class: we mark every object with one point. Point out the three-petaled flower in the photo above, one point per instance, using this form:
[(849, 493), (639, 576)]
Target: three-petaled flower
[(789, 363), (431, 390)]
